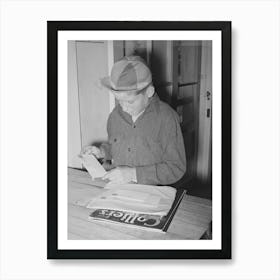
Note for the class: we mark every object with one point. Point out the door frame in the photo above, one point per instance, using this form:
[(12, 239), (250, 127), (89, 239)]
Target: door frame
[(204, 151)]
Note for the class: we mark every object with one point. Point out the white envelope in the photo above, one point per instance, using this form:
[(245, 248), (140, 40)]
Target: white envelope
[(135, 198), (92, 165)]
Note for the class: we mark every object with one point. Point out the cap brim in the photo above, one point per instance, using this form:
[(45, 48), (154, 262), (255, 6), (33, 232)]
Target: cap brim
[(106, 82)]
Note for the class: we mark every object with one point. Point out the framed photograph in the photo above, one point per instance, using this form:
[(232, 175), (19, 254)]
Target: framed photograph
[(139, 140)]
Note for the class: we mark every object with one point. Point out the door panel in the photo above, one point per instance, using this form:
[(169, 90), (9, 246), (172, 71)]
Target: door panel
[(204, 161), (92, 63), (189, 58), (74, 128), (176, 66)]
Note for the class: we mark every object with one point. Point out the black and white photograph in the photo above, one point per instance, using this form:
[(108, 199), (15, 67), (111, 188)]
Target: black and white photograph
[(139, 140), (148, 137), (138, 162)]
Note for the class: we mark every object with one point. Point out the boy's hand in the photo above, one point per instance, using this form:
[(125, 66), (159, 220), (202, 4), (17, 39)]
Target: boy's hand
[(93, 150), (121, 175)]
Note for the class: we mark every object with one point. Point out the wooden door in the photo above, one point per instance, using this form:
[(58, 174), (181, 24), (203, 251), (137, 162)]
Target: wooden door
[(186, 77), (162, 69), (127, 48), (176, 67), (74, 131), (92, 64), (90, 102), (204, 158)]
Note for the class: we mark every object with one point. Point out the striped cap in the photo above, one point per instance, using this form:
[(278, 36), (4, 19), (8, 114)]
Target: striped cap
[(131, 73)]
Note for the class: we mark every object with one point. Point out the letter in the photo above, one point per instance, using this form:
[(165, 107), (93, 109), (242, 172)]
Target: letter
[(133, 219), (127, 216), (111, 213), (118, 214), (103, 212), (142, 219), (156, 219)]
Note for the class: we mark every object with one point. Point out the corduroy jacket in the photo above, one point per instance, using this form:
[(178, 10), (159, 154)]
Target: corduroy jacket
[(154, 144)]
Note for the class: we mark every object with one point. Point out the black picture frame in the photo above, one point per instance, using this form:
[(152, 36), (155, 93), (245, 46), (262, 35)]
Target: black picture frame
[(52, 139)]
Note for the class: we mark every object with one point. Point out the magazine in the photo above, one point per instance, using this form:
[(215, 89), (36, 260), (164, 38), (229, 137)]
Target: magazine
[(141, 220)]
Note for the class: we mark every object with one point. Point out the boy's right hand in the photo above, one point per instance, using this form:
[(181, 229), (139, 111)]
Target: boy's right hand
[(92, 150)]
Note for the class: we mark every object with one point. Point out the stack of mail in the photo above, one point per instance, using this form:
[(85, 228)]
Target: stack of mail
[(135, 198)]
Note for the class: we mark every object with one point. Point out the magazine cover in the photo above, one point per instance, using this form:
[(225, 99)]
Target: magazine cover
[(140, 220)]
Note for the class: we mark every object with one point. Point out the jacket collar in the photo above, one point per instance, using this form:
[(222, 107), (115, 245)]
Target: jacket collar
[(153, 106)]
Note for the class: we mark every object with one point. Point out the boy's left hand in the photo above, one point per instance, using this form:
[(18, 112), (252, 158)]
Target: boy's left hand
[(121, 175)]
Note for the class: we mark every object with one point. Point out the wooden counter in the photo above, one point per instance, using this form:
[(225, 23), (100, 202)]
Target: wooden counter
[(191, 220)]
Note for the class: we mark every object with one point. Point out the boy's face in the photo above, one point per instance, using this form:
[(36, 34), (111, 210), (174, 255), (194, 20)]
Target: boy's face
[(131, 103)]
